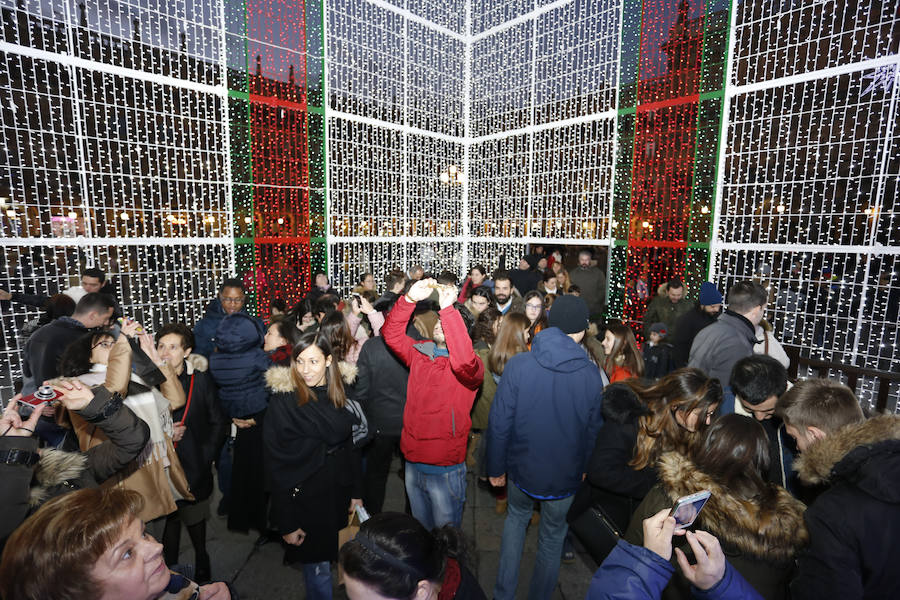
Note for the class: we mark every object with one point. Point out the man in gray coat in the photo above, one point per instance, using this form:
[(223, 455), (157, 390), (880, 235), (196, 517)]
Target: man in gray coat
[(719, 346), (592, 283)]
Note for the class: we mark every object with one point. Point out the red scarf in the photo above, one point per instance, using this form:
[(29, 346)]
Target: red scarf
[(452, 580)]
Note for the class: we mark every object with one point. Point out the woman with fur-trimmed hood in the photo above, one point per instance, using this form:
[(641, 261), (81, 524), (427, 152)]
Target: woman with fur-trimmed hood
[(759, 524), (312, 466)]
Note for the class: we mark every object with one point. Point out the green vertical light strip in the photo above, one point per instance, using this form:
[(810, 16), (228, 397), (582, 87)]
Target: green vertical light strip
[(318, 134)]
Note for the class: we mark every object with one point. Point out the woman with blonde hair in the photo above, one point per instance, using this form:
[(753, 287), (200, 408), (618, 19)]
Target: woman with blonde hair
[(562, 280), (623, 359)]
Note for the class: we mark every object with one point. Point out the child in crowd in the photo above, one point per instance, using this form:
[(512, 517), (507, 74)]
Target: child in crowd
[(657, 352)]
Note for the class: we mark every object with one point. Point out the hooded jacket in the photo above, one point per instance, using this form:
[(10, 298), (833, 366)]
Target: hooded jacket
[(718, 347), (686, 329), (440, 391), (239, 365), (545, 416), (854, 525), (761, 541)]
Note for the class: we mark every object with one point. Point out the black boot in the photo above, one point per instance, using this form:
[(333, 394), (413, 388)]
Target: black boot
[(197, 533), (171, 539)]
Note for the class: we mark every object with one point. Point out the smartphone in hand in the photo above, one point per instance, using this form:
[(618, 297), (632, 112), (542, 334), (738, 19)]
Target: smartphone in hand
[(687, 508)]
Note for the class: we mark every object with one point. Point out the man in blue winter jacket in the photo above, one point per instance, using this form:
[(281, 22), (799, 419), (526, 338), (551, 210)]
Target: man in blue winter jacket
[(543, 424)]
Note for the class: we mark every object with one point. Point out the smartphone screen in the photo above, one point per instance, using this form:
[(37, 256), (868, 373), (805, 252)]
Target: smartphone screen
[(687, 509)]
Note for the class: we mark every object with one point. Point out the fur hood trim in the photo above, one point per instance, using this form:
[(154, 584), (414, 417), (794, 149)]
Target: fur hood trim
[(54, 468), (196, 362), (774, 532), (278, 379), (816, 464), (621, 404)]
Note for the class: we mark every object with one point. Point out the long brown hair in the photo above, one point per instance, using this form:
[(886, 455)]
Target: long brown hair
[(334, 326), (684, 390), (483, 329), (566, 282), (511, 340), (734, 451), (332, 372), (626, 346)]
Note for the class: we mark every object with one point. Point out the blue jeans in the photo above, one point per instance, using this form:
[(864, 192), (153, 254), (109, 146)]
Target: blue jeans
[(551, 534), (318, 580), (436, 498)]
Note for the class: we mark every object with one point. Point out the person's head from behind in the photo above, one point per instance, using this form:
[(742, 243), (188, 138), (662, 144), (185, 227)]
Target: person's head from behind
[(757, 382), (621, 349), (680, 405), (502, 287), (87, 544), (324, 306), (94, 310), (815, 408), (277, 307), (486, 326), (232, 296), (570, 314), (313, 365), (478, 275), (734, 451), (749, 300), (282, 331), (59, 305), (446, 277), (534, 306), (584, 258), (174, 342), (481, 298), (675, 291), (512, 338), (416, 272), (394, 557), (394, 281), (574, 290), (92, 279), (336, 329)]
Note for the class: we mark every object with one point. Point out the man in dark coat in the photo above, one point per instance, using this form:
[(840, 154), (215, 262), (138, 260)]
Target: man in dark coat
[(230, 300), (688, 325), (45, 347), (200, 430), (667, 309), (526, 277), (543, 424), (854, 525), (592, 283), (381, 390), (718, 347)]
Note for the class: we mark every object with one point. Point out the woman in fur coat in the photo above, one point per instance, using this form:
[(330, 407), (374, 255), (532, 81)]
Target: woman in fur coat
[(759, 524), (313, 469)]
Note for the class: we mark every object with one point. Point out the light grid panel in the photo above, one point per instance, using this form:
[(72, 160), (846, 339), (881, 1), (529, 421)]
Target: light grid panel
[(365, 180), (487, 14), (502, 81), (576, 60), (498, 188), (489, 254), (780, 39), (349, 260), (365, 59), (572, 183), (435, 81), (433, 207), (803, 163), (445, 13)]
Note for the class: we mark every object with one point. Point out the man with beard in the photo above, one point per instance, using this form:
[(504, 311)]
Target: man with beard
[(503, 292), (707, 310)]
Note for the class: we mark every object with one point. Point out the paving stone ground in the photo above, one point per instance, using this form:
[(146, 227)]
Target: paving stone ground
[(258, 573)]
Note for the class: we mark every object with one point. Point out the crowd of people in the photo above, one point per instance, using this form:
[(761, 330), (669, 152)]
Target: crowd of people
[(577, 425)]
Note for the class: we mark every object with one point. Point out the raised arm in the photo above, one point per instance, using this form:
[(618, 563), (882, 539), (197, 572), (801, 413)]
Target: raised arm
[(464, 363), (394, 330)]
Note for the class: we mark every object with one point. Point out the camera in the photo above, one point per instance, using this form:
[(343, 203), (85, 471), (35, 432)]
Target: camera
[(42, 395)]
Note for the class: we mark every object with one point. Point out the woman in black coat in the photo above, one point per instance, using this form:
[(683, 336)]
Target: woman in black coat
[(313, 470)]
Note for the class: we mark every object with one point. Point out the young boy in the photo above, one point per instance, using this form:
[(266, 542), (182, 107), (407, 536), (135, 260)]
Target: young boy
[(657, 353)]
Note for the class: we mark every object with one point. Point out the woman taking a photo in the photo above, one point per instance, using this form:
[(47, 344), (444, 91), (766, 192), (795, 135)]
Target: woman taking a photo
[(623, 359), (759, 524), (313, 470)]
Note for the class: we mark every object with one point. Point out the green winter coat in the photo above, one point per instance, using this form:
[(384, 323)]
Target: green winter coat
[(661, 310), (485, 397)]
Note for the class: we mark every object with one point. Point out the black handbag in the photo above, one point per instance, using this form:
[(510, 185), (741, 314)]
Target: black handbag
[(597, 531)]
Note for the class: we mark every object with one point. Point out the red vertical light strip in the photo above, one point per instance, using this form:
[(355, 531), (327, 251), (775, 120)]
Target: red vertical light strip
[(279, 141), (665, 134)]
